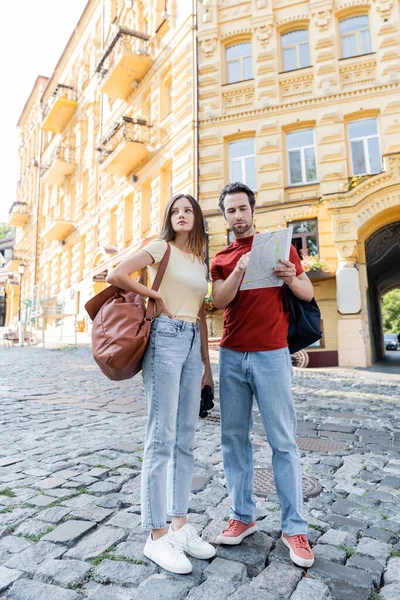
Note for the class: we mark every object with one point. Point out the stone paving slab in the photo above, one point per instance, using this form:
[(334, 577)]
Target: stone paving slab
[(70, 490)]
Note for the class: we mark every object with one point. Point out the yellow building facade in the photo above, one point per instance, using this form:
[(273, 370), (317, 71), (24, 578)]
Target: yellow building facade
[(300, 100), (104, 142)]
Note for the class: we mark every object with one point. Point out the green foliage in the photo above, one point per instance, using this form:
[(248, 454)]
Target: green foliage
[(391, 312), (5, 231), (375, 596), (6, 509), (7, 492), (349, 551), (111, 556), (33, 538)]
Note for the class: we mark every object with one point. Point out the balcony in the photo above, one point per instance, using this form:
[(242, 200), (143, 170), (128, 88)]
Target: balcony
[(58, 230), (18, 215), (125, 147), (60, 164), (59, 109), (124, 64)]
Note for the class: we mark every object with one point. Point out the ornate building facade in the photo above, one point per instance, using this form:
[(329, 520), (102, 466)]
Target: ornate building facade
[(300, 100), (104, 142)]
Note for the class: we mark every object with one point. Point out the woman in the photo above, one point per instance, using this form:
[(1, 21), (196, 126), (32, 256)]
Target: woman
[(172, 373)]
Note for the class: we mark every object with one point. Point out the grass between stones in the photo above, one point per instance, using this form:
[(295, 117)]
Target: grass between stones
[(36, 538), (349, 550), (6, 509), (109, 553), (316, 527), (375, 596), (395, 554), (7, 492)]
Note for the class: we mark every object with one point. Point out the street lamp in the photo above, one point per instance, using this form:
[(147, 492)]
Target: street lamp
[(21, 269)]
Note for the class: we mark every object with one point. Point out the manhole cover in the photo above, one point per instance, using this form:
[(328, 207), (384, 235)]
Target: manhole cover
[(320, 445), (264, 484)]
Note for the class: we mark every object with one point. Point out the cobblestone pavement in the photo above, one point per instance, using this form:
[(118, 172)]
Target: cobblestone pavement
[(70, 458)]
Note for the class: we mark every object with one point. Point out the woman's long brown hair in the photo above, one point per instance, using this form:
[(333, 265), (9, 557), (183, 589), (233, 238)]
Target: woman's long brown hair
[(197, 237)]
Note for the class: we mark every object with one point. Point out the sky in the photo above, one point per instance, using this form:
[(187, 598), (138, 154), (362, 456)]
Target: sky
[(33, 35)]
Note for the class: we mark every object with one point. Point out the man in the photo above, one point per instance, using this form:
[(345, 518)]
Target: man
[(255, 360)]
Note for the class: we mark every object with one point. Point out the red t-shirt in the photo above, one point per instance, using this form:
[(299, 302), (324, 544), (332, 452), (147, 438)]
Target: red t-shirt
[(255, 320)]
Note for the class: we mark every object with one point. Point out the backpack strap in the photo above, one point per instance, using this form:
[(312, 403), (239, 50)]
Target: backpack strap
[(157, 282)]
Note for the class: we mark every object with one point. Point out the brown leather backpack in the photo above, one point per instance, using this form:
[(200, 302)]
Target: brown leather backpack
[(121, 327)]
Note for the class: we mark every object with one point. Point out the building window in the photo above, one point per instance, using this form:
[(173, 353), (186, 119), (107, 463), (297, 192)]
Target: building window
[(169, 97), (301, 157), (239, 62), (305, 237), (166, 96), (355, 36), (242, 162), (364, 144), (295, 50)]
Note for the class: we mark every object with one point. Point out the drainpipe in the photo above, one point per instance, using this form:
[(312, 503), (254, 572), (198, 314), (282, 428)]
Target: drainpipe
[(196, 110), (38, 166)]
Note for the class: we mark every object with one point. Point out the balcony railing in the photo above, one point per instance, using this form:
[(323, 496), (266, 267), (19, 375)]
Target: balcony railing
[(18, 214), (124, 147), (60, 164), (59, 109), (124, 63)]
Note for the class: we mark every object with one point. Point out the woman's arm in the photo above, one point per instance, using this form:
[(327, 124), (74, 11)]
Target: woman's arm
[(205, 357), (121, 277)]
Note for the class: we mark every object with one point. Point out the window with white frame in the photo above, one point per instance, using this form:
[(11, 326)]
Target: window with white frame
[(355, 36), (239, 62), (365, 148), (302, 166), (295, 50), (242, 162)]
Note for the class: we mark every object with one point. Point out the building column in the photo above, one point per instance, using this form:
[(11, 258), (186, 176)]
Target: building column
[(353, 332)]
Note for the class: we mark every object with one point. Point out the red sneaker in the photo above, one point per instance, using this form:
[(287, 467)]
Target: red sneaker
[(300, 551), (236, 532)]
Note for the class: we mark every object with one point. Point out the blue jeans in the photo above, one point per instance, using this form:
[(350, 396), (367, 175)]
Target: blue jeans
[(172, 372), (267, 376)]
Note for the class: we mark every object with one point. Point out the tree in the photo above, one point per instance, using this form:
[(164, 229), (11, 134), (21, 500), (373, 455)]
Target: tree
[(391, 311), (5, 231)]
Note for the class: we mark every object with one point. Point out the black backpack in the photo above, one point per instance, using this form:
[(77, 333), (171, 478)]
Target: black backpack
[(304, 320)]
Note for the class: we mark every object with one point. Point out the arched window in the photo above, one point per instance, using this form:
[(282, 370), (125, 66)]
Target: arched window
[(355, 36), (295, 50), (239, 62)]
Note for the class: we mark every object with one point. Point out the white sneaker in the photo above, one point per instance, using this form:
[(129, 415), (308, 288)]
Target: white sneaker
[(167, 555), (187, 540)]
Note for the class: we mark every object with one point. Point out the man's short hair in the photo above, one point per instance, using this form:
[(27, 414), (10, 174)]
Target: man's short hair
[(236, 188)]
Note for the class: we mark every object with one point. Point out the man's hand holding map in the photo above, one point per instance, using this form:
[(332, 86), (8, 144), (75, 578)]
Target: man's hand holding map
[(268, 249)]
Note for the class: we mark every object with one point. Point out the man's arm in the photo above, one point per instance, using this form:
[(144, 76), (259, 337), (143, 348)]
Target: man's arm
[(224, 290), (300, 285)]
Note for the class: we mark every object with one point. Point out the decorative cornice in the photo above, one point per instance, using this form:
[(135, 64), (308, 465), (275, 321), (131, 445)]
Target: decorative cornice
[(237, 33), (321, 100), (292, 19), (369, 187)]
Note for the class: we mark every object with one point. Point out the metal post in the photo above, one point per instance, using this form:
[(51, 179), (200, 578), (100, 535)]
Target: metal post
[(20, 328)]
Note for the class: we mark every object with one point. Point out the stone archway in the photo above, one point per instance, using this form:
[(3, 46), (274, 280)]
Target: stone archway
[(382, 252)]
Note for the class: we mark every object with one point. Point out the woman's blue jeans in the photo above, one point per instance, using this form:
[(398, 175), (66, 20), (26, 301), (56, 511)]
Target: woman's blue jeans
[(268, 377), (172, 372)]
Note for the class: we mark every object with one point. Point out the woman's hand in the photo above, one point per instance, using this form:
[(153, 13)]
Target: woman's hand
[(207, 378), (161, 308)]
